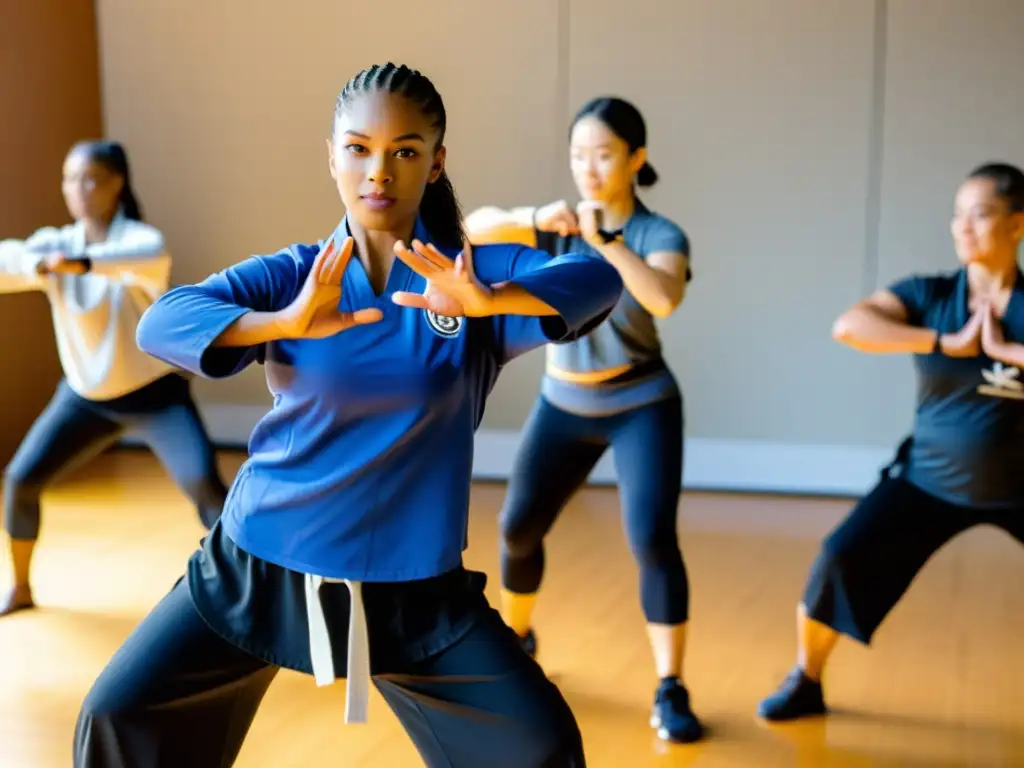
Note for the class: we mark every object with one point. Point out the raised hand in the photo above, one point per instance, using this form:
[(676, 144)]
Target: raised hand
[(992, 338), (557, 217), (591, 218), (452, 288), (315, 312)]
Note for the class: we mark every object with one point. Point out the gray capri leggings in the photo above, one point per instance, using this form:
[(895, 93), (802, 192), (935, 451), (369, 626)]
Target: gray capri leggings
[(72, 430)]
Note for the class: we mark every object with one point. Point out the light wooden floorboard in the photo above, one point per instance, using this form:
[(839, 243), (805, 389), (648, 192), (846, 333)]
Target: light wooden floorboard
[(943, 686)]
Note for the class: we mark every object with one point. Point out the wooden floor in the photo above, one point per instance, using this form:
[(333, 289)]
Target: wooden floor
[(943, 686)]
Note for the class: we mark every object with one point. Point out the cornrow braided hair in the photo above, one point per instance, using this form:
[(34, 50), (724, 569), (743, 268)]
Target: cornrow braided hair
[(439, 209)]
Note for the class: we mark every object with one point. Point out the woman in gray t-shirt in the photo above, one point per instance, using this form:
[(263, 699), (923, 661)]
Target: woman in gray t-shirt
[(610, 388)]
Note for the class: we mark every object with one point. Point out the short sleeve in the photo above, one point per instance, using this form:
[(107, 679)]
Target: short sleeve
[(583, 291), (181, 326), (915, 294), (665, 236)]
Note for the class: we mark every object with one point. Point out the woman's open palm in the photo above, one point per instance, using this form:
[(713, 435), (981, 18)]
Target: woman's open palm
[(452, 287), (315, 313)]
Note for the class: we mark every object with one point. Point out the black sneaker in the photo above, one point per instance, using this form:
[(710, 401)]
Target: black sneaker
[(528, 643), (798, 696), (672, 716)]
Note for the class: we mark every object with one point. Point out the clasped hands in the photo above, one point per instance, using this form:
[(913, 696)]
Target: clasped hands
[(452, 290), (983, 332)]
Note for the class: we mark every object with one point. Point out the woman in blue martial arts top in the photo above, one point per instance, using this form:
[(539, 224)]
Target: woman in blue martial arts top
[(339, 552)]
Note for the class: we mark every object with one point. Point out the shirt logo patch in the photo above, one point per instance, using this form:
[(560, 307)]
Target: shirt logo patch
[(1002, 381), (445, 326)]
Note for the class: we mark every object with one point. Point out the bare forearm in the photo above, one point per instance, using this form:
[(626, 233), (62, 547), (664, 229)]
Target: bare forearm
[(1007, 352), (496, 225), (251, 329), (867, 330), (656, 291)]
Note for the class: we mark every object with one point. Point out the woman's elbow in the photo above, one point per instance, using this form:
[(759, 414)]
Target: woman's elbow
[(668, 304), (842, 328), (157, 245), (663, 310), (144, 332), (665, 303), (152, 327)]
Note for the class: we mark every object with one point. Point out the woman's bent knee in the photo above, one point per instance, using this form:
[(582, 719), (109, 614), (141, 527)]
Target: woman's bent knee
[(568, 753), (555, 740), (102, 737), (519, 541), (21, 506), (835, 595), (521, 528)]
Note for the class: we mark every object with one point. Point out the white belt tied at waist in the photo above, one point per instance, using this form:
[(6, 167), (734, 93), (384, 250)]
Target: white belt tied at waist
[(357, 697)]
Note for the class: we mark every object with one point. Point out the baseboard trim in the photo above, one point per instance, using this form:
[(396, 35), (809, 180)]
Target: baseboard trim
[(752, 466)]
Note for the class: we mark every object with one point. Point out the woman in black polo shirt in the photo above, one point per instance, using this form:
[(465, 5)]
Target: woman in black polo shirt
[(962, 465)]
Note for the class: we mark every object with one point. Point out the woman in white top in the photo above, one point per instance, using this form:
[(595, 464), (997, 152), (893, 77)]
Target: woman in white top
[(100, 274)]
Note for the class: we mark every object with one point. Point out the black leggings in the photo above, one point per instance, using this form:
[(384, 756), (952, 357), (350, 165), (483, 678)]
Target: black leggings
[(176, 695), (870, 559), (72, 430), (558, 452)]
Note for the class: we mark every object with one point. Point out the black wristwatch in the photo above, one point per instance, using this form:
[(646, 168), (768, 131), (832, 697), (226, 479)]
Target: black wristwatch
[(607, 237), (938, 344)]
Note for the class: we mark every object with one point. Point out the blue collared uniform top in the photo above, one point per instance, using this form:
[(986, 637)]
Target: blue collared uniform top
[(968, 438), (361, 469)]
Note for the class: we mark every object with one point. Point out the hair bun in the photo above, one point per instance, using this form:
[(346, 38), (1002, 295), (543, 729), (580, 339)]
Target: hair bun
[(647, 176)]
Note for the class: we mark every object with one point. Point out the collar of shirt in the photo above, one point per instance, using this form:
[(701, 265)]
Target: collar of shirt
[(419, 232), (961, 297), (114, 232)]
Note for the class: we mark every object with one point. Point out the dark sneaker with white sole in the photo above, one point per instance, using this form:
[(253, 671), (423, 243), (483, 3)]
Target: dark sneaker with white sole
[(797, 697), (672, 716)]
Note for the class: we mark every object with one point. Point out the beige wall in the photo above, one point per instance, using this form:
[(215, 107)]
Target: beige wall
[(49, 98), (810, 148)]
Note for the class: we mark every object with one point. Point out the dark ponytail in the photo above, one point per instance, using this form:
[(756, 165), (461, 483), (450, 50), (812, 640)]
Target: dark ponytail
[(441, 212), (626, 122), (439, 209), (129, 203), (112, 156)]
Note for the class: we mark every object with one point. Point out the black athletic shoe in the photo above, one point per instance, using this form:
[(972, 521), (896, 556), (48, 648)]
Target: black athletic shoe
[(672, 716), (798, 696)]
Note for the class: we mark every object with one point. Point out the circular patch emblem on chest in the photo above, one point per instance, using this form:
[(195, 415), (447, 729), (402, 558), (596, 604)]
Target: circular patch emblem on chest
[(443, 325)]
